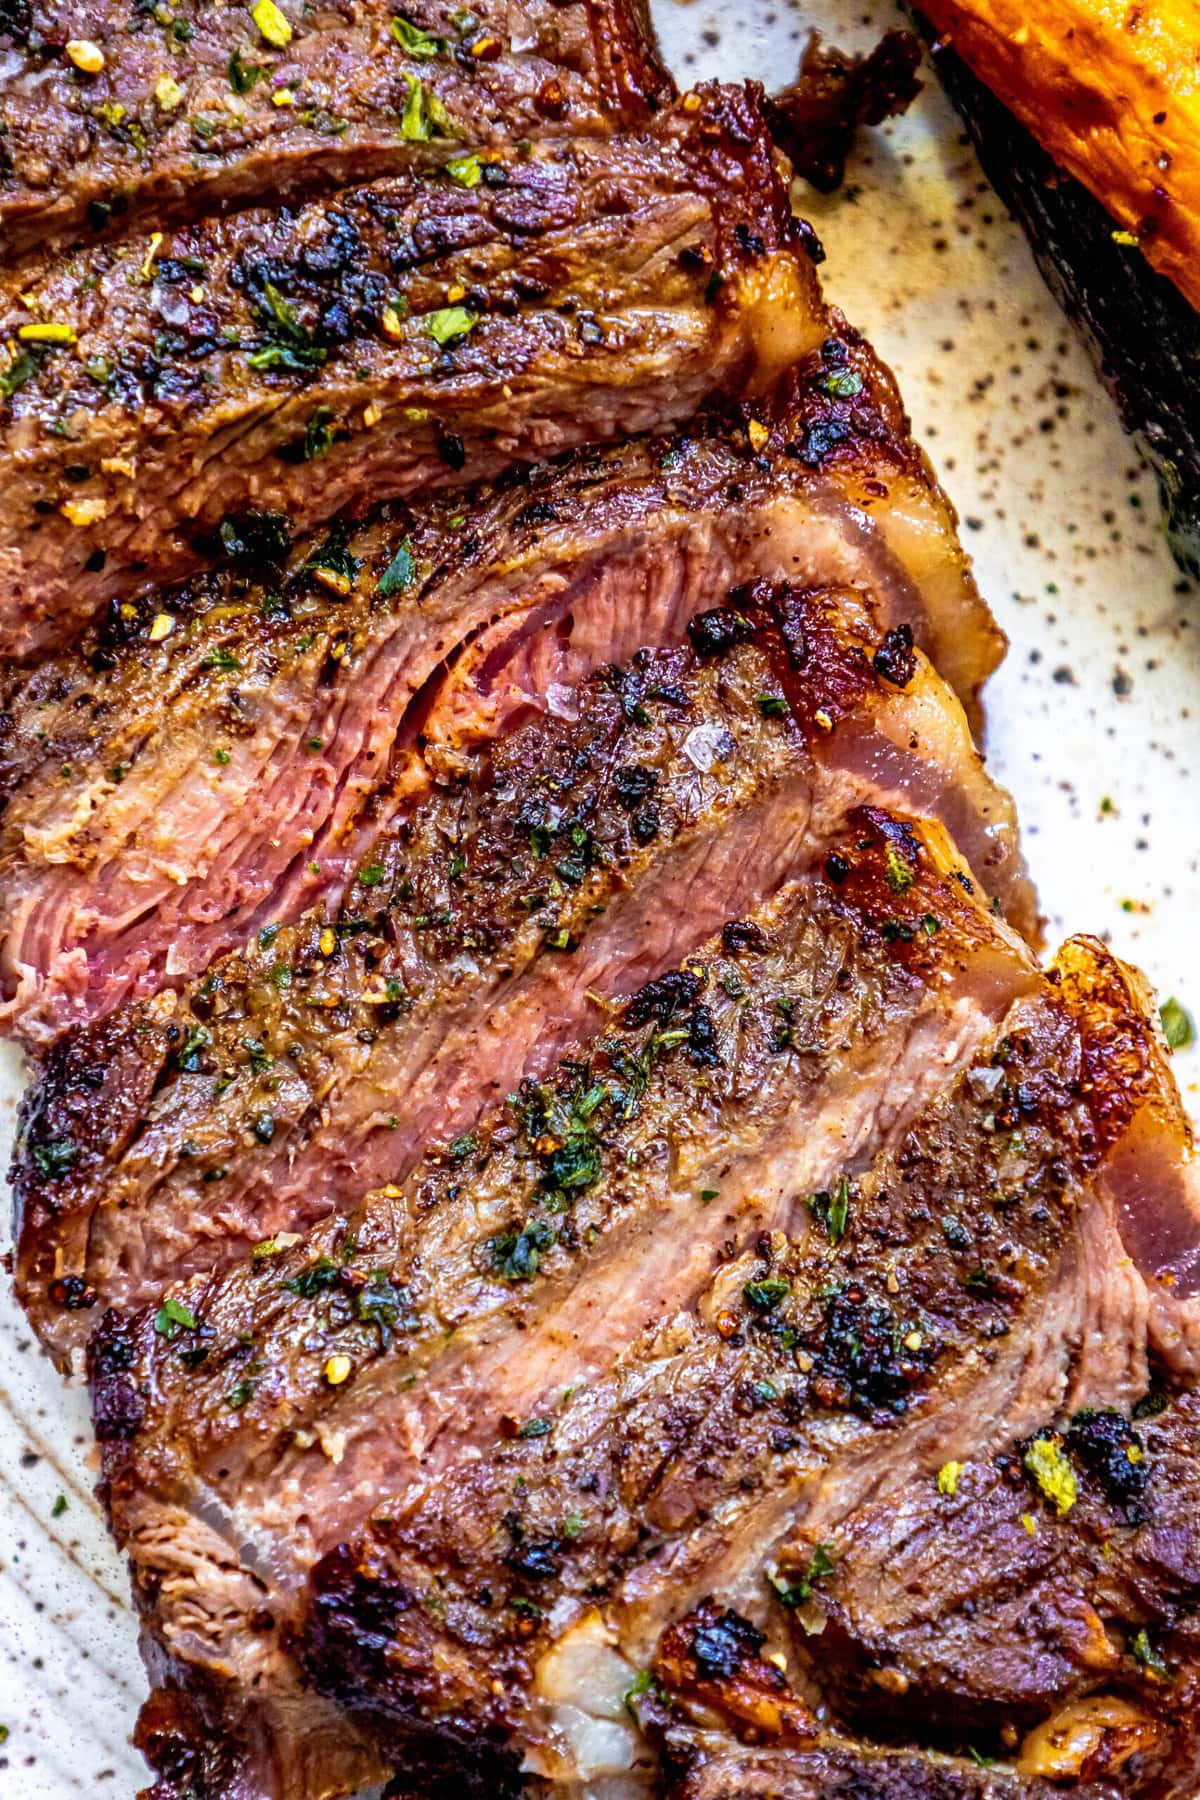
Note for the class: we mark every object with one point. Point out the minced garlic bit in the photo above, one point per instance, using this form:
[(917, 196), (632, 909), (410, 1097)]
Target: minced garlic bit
[(692, 102), (84, 512), (1030, 1523), (913, 1340), (274, 25), (372, 413), (337, 583), (823, 720), (328, 941), (758, 434), (44, 331), (283, 97), (456, 292), (337, 1370), (86, 55), (168, 93), (161, 626), (156, 238), (947, 1479), (393, 324)]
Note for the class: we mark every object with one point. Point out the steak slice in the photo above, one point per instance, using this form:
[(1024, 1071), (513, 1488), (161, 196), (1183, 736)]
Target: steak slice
[(958, 1289), (202, 767), (296, 359), (730, 1727), (1047, 1605), (321, 1058), (115, 115), (257, 1416)]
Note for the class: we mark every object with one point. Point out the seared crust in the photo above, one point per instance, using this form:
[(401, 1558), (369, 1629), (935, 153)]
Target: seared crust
[(90, 147), (426, 330)]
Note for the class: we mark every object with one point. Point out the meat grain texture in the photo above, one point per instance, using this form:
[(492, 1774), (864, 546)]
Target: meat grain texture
[(606, 1265)]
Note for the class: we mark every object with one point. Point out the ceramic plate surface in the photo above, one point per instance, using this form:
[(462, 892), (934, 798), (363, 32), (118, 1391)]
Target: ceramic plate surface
[(1094, 722)]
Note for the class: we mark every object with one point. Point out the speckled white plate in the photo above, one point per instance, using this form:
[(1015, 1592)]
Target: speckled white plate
[(1094, 722)]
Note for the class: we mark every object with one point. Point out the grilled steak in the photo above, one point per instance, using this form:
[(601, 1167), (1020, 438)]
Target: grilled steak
[(115, 112), (475, 936), (1056, 1583), (730, 1727), (444, 1322), (190, 775), (425, 330)]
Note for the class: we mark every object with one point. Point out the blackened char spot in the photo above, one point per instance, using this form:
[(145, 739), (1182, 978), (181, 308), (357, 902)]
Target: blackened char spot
[(1109, 1449), (722, 1643), (716, 632), (660, 1000), (895, 659)]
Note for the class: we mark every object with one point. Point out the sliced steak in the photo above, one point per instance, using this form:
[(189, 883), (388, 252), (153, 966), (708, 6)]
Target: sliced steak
[(1044, 1601), (321, 1058), (730, 1727), (253, 1419), (960, 1288), (118, 113), (426, 330), (202, 767)]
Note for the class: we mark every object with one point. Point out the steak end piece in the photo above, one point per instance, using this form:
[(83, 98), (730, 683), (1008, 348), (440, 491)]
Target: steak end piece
[(112, 122), (307, 356)]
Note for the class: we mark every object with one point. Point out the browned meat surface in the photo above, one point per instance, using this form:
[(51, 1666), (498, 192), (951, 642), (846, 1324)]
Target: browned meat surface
[(606, 1266), (475, 936), (1054, 1581), (450, 1317), (117, 112), (210, 764), (815, 118), (731, 1727), (426, 330), (962, 1300)]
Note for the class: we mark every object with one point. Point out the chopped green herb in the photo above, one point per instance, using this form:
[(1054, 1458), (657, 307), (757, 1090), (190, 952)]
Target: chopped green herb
[(220, 659), (450, 324), (399, 573), (318, 438), (1144, 1653), (417, 42), (21, 369), (833, 1209), (172, 1315), (518, 1254), (765, 1296), (54, 1157), (59, 1507), (238, 1396), (707, 1194), (223, 757), (535, 1428), (464, 1146), (243, 74), (372, 875), (900, 872), (319, 1275), (772, 706), (793, 1594), (843, 384), (1179, 1028), (467, 171), (641, 1684)]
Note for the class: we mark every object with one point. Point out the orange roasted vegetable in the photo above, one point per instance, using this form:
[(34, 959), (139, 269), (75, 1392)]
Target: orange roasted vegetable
[(1111, 88)]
